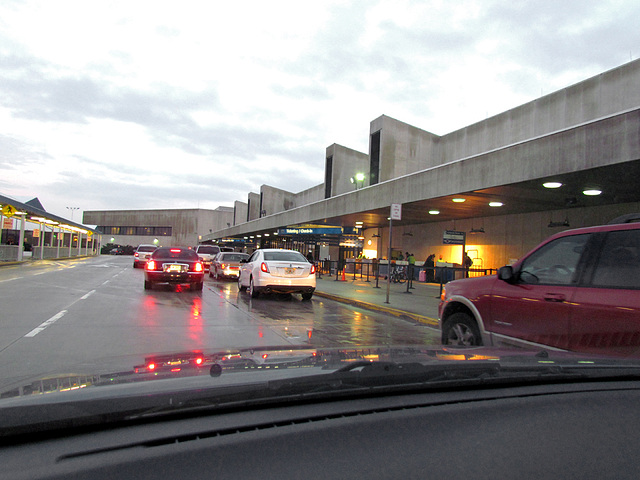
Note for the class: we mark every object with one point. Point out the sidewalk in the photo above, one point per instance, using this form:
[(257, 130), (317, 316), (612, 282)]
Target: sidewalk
[(421, 305)]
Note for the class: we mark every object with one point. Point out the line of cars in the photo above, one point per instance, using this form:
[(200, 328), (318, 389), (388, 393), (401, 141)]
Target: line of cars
[(264, 271)]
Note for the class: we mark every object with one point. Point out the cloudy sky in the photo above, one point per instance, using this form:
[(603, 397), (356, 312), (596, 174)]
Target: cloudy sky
[(164, 104)]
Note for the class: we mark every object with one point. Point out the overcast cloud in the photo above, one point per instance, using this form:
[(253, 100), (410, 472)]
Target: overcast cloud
[(165, 104)]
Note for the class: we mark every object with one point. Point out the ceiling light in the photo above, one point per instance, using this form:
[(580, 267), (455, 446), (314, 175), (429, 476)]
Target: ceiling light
[(359, 223), (458, 200), (592, 192), (434, 212), (552, 185), (496, 204)]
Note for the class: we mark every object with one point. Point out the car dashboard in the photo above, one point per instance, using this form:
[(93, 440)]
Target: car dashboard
[(574, 430)]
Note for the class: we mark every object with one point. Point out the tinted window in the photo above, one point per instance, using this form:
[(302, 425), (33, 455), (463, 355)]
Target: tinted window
[(233, 257), (146, 249), (184, 254), (618, 265), (284, 256), (555, 263)]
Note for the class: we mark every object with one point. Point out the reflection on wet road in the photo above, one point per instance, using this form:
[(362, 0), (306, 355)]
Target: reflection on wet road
[(94, 312)]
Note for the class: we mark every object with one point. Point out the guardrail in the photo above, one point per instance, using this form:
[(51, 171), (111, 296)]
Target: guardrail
[(371, 270), (11, 253)]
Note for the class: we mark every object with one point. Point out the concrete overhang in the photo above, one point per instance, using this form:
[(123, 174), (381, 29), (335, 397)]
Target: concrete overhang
[(603, 154)]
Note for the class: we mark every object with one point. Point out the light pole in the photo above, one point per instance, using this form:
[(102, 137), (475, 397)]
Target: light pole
[(359, 177), (72, 210)]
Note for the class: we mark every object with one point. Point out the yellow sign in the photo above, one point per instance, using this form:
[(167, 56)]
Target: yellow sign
[(8, 210)]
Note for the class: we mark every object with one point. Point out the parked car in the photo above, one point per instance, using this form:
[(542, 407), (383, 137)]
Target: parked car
[(578, 290), (142, 254), (278, 271), (226, 264), (175, 265)]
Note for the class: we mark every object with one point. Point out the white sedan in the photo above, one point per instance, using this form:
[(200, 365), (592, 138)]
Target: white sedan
[(279, 271)]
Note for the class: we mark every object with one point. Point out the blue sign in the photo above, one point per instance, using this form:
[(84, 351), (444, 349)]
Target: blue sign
[(311, 231)]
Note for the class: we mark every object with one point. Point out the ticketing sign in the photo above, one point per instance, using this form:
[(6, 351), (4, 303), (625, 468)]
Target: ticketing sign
[(453, 237), (311, 231)]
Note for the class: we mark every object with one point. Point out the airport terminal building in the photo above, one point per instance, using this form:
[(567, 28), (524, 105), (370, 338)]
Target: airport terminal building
[(565, 160)]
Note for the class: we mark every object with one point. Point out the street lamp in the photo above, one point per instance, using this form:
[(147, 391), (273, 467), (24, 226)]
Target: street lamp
[(359, 177), (72, 210)]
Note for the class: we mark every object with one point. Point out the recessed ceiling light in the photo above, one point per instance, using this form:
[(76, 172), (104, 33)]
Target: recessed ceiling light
[(552, 185), (458, 200), (359, 223), (434, 212), (592, 192), (496, 204)]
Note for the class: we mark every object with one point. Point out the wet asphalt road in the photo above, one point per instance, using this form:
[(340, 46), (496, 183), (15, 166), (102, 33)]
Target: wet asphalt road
[(93, 315)]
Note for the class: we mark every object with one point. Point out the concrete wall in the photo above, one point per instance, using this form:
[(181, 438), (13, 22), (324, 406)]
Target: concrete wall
[(253, 202), (605, 94), (404, 148), (346, 163), (240, 212), (187, 224), (309, 195), (275, 200)]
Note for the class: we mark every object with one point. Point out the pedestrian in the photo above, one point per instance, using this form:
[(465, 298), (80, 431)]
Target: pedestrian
[(467, 263), (412, 263), (429, 267)]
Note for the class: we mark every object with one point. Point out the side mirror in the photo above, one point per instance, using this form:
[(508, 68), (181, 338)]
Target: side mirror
[(506, 274)]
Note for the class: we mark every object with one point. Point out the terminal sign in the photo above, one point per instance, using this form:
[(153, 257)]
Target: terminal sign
[(452, 237), (311, 231)]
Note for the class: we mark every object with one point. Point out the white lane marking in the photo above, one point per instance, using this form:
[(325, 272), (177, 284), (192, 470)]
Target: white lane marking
[(45, 324), (11, 279), (84, 297), (105, 282)]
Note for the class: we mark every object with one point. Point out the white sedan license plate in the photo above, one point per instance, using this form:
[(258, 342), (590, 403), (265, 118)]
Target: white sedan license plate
[(289, 271)]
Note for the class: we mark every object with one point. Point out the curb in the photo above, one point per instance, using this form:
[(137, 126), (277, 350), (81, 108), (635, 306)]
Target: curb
[(432, 322)]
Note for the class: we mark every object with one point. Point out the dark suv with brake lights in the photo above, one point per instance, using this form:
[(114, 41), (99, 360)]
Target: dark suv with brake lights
[(579, 290)]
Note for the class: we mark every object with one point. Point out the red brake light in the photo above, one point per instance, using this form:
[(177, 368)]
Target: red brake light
[(313, 269), (223, 266), (264, 268), (175, 250), (198, 267), (199, 361), (151, 366), (265, 355), (151, 265), (136, 254)]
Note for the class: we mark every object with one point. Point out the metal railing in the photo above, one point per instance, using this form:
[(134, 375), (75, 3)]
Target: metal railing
[(370, 270)]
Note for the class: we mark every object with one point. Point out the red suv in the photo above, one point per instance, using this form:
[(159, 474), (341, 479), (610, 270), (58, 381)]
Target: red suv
[(579, 290)]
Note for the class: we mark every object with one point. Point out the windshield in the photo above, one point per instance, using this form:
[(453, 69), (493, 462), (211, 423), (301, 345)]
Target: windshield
[(405, 185), (209, 250)]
